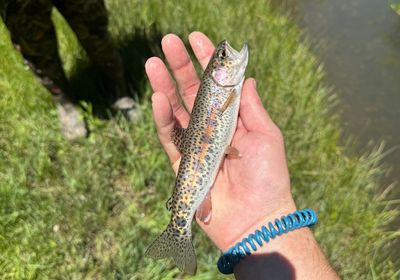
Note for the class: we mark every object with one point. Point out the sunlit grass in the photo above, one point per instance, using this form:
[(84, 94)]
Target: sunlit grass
[(88, 209), (395, 5)]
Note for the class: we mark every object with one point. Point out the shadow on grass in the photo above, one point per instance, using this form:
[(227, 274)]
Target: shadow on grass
[(86, 81)]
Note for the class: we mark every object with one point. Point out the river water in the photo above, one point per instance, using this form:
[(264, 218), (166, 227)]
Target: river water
[(359, 43)]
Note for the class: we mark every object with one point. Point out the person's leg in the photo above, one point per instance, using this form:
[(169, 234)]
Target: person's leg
[(89, 20), (32, 32)]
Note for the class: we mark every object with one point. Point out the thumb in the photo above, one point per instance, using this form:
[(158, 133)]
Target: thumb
[(252, 112)]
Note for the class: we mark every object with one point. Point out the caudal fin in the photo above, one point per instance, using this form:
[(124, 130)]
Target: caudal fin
[(178, 247)]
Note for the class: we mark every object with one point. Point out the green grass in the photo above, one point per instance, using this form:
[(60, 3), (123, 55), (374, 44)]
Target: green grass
[(396, 8), (88, 209), (395, 5)]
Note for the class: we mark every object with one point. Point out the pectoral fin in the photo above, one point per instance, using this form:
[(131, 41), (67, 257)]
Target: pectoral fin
[(232, 152), (203, 213), (177, 136), (228, 101)]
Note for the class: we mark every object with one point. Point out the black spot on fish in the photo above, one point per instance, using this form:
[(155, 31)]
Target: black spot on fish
[(180, 222)]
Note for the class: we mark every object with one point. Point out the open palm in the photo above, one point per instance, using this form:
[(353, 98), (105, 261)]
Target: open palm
[(248, 189)]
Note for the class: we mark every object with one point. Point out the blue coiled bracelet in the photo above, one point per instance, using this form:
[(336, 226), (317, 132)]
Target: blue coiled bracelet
[(298, 219)]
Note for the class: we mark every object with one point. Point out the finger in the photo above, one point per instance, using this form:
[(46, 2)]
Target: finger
[(165, 123), (252, 112), (240, 125), (161, 81), (202, 47), (239, 133), (182, 68)]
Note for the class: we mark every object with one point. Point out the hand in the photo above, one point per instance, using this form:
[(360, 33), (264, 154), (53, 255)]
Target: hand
[(248, 190)]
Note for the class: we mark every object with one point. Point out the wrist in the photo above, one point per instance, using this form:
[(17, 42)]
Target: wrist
[(278, 256), (285, 207), (279, 228), (295, 255)]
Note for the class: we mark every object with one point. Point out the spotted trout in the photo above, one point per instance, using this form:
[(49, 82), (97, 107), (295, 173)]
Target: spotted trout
[(203, 145)]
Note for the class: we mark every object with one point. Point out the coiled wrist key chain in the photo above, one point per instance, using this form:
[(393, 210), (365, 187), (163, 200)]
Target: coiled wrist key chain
[(296, 220)]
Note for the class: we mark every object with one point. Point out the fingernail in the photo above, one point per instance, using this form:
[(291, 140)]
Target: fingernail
[(254, 83), (153, 97)]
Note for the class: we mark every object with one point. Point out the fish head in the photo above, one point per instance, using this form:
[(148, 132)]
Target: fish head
[(228, 65)]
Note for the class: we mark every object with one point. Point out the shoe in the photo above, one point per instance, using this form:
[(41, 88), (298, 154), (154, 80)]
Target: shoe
[(72, 122), (128, 107)]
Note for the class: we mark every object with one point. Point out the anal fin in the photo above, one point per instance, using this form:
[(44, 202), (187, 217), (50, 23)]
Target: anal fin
[(177, 136), (204, 211)]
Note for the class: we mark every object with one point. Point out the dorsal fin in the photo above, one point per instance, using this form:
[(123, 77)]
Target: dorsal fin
[(168, 204)]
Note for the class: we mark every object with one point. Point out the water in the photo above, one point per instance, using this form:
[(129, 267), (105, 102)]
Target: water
[(359, 43)]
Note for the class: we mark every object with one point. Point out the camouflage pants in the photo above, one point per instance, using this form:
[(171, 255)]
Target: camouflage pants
[(32, 30)]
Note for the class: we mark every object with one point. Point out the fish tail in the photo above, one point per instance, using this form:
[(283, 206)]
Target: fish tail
[(178, 247)]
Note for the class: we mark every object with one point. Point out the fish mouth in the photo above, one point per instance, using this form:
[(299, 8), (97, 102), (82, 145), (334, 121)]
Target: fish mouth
[(241, 59), (241, 56)]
